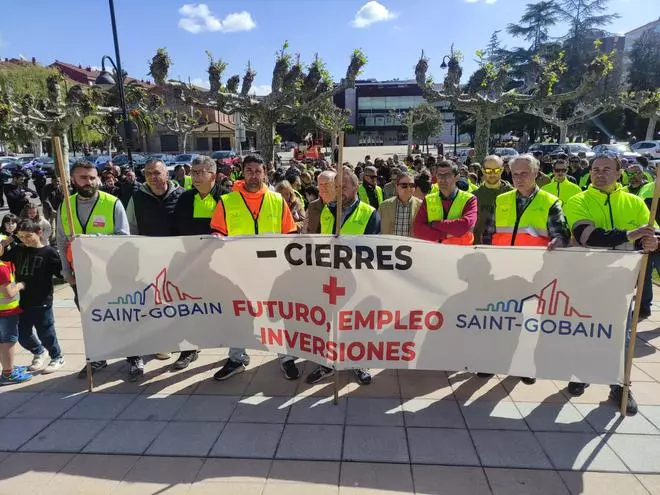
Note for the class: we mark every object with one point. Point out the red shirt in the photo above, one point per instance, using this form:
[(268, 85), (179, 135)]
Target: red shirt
[(6, 272), (439, 230)]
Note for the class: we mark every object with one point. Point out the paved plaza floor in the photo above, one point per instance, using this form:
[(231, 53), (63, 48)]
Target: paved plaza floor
[(408, 432)]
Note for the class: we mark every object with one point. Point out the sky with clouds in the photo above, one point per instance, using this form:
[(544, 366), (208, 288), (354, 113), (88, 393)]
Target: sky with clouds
[(392, 33)]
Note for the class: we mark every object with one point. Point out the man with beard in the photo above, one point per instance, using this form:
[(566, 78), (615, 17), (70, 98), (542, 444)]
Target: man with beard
[(94, 212), (491, 188), (252, 209)]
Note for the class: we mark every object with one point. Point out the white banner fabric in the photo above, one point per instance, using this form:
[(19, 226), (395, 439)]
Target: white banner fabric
[(363, 301)]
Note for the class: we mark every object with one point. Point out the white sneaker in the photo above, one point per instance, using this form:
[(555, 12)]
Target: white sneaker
[(163, 355), (53, 366), (38, 362)]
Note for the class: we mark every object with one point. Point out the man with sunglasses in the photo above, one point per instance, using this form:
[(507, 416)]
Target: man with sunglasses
[(560, 185), (605, 216), (369, 191), (636, 179), (492, 187), (397, 214)]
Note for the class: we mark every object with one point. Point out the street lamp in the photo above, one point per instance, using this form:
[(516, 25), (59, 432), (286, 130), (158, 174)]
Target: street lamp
[(106, 81)]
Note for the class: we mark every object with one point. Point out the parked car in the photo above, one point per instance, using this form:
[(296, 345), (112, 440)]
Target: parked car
[(138, 159), (545, 148), (5, 160), (166, 158), (651, 148), (228, 157), (185, 158), (101, 160), (622, 151), (575, 148), (509, 152)]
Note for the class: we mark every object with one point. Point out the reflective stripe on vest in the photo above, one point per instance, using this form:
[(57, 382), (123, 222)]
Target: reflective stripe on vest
[(239, 219), (6, 302), (355, 224), (528, 229), (564, 190), (617, 210), (364, 197), (203, 208), (435, 212)]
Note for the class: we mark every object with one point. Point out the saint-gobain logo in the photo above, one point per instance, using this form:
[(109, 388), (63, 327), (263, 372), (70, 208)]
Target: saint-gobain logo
[(159, 299)]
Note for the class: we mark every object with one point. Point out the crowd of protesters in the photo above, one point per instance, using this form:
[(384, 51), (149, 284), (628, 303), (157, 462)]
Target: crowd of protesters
[(433, 198)]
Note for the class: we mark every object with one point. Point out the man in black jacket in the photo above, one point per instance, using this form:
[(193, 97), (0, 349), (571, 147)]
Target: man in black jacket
[(17, 193), (192, 216)]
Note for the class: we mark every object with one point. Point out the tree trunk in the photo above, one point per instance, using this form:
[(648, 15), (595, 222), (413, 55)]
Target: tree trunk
[(563, 133), (108, 145), (265, 138), (334, 141), (650, 129), (37, 147), (411, 128), (183, 140), (482, 135), (145, 143)]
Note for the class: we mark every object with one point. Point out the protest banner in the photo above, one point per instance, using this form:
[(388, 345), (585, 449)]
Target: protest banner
[(361, 301)]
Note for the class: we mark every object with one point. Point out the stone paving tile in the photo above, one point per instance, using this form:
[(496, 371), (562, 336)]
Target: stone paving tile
[(154, 408), (493, 416), (235, 471), (509, 449), (652, 413), (641, 453), (170, 470), (553, 417), (17, 431), (432, 413), (469, 388), (542, 391), (424, 384), (212, 488), (604, 419), (288, 472), (441, 446), (125, 437), (248, 440), (100, 406), (65, 435), (312, 442), (525, 482), (646, 393), (46, 405), (374, 412), (299, 489), (28, 473), (12, 400), (186, 439), (449, 480), (375, 444), (580, 451), (316, 410), (365, 478), (261, 409), (207, 408), (591, 483), (650, 481)]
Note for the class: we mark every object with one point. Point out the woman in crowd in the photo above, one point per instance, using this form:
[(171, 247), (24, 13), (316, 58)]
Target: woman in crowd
[(295, 205), (31, 212)]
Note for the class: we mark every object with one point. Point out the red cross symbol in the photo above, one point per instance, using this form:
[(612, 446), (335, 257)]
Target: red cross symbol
[(333, 290)]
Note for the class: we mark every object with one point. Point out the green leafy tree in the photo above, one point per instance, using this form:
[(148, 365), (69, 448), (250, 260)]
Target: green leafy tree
[(535, 23), (644, 70), (431, 123)]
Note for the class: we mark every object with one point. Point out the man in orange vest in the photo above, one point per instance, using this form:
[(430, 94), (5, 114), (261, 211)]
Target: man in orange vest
[(526, 216), (448, 215)]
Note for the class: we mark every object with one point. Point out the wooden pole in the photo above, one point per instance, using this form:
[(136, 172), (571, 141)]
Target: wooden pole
[(638, 302), (64, 185), (339, 182)]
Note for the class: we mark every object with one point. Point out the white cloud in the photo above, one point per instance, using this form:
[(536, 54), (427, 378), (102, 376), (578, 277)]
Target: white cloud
[(261, 89), (198, 18), (372, 12), (202, 83)]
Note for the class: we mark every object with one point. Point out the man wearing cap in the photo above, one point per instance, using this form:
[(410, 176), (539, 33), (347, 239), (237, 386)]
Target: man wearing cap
[(369, 191), (18, 193)]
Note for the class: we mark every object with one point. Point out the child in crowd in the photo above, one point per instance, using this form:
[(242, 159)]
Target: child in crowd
[(8, 232), (9, 314), (36, 264)]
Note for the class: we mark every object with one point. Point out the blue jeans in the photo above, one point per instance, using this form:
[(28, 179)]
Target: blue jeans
[(647, 293), (8, 329), (43, 321)]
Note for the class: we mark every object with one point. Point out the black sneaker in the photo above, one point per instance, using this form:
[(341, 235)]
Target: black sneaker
[(184, 360), (616, 394), (644, 313), (363, 376), (528, 380), (485, 375), (576, 388), (96, 366), (290, 370), (135, 369), (319, 374), (229, 369)]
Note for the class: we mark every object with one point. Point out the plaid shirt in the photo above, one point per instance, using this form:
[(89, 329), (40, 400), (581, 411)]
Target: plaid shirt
[(402, 218), (557, 225)]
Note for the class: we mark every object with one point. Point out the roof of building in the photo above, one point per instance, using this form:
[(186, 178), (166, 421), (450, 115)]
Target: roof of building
[(644, 27), (88, 74)]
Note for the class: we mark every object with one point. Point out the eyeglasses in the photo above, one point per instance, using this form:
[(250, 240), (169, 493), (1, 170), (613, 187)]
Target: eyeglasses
[(371, 176), (406, 186), (492, 171)]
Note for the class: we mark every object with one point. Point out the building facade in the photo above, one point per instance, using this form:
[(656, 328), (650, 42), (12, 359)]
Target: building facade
[(631, 37), (374, 106)]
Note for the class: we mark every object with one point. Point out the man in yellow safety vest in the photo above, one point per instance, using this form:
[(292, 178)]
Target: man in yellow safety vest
[(357, 218), (369, 191), (252, 209), (560, 185)]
